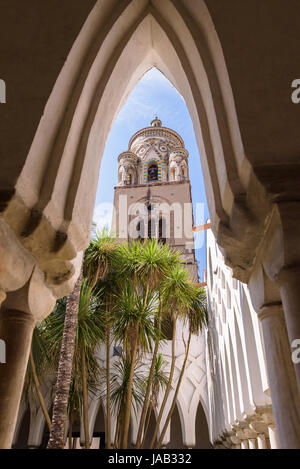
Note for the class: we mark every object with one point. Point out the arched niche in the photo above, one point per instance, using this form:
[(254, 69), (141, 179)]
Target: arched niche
[(201, 429), (176, 439)]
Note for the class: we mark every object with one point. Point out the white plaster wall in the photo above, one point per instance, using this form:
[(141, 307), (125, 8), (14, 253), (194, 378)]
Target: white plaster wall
[(236, 368)]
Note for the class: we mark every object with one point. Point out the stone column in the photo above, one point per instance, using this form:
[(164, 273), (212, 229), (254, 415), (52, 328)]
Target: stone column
[(244, 444), (16, 329), (261, 441), (273, 437), (261, 430), (236, 442), (283, 385), (289, 279), (252, 443)]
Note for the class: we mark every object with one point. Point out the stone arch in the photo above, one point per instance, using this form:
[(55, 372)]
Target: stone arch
[(62, 161), (176, 429), (184, 170), (201, 430), (252, 348), (95, 405)]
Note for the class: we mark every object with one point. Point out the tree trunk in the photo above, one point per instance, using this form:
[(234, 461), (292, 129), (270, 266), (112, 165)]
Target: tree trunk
[(148, 390), (118, 431), (129, 392), (147, 423), (85, 399), (168, 388), (62, 389), (176, 393), (108, 405), (38, 390), (70, 432)]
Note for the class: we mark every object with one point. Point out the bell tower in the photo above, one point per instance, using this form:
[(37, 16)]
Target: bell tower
[(153, 195)]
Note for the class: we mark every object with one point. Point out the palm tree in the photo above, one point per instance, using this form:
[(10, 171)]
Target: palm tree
[(159, 381), (100, 265), (60, 406), (148, 264), (90, 331), (196, 317), (38, 365), (119, 390), (135, 329), (176, 298)]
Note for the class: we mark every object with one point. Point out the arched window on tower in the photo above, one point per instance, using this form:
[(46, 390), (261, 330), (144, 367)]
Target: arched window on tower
[(152, 228), (153, 173), (172, 174), (184, 170), (162, 231), (141, 230)]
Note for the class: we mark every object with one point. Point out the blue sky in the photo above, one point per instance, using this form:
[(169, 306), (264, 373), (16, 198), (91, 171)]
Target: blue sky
[(153, 96)]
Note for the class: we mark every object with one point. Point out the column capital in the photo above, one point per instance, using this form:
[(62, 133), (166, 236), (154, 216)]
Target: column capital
[(16, 316), (288, 273), (270, 310), (259, 427)]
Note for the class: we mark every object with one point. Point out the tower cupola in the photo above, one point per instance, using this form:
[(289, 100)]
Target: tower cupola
[(156, 122)]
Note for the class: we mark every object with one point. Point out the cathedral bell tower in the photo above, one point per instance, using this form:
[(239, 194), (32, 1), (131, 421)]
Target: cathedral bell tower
[(153, 195)]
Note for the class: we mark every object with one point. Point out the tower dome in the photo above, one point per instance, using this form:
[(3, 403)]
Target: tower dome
[(156, 122), (155, 154)]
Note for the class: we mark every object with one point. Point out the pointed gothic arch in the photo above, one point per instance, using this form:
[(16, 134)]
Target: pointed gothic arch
[(93, 90), (44, 201)]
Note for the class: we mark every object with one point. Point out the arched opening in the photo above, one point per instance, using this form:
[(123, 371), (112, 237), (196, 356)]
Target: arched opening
[(150, 430), (102, 100), (152, 173), (201, 429), (98, 441), (73, 208), (184, 170), (140, 228), (176, 440), (162, 230), (81, 142), (21, 442), (152, 228), (129, 179)]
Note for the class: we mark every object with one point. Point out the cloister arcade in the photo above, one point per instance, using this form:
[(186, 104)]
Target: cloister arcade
[(230, 63)]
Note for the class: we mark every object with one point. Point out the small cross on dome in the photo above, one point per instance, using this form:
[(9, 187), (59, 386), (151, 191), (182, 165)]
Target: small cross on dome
[(156, 122)]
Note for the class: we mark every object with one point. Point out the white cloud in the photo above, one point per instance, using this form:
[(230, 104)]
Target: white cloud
[(140, 104), (103, 215)]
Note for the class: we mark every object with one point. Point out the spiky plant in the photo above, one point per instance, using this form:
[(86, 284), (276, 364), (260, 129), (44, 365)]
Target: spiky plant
[(120, 382), (90, 331), (134, 327), (159, 382), (196, 318)]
